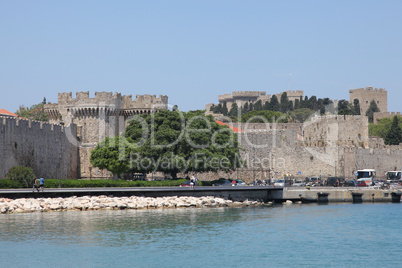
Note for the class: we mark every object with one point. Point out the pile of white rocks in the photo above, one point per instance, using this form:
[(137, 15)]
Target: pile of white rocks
[(104, 202)]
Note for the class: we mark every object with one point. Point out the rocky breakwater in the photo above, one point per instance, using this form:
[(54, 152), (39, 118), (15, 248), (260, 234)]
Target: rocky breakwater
[(24, 205)]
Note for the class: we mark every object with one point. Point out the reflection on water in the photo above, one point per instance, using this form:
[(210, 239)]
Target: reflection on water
[(296, 235), (100, 227)]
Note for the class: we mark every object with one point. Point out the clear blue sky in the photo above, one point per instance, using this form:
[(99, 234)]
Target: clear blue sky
[(193, 51)]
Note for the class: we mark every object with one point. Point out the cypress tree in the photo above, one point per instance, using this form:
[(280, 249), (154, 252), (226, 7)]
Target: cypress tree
[(371, 110), (394, 134), (274, 103), (258, 105), (356, 107)]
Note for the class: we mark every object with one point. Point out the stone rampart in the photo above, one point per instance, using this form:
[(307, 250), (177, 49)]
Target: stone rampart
[(241, 94), (266, 127), (380, 115), (340, 130), (49, 149)]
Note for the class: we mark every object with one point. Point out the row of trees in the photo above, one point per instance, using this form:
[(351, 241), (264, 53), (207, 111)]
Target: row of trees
[(297, 111)]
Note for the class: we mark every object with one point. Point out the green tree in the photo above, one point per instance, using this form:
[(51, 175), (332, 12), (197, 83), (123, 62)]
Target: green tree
[(297, 104), (382, 126), (274, 103), (356, 107), (111, 154), (394, 134), (169, 142), (245, 108), (35, 112), (301, 115), (258, 105), (267, 106), (371, 110), (251, 107), (284, 104), (24, 175), (344, 108), (225, 110), (234, 109), (312, 103)]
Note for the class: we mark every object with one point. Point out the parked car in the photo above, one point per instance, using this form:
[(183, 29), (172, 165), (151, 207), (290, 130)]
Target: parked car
[(222, 182), (282, 183), (299, 184), (312, 181), (239, 183), (335, 181), (350, 183)]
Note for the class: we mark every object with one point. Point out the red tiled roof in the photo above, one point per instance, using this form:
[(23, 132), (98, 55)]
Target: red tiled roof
[(235, 129), (5, 112)]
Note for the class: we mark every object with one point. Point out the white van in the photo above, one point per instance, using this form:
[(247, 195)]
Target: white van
[(365, 177)]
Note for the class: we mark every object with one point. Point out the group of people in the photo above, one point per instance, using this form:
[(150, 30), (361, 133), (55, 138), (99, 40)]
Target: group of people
[(41, 184)]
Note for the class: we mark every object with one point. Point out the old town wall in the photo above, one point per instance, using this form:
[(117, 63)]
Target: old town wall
[(49, 149)]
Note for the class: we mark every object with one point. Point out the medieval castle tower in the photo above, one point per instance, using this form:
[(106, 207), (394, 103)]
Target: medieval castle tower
[(100, 117), (368, 94)]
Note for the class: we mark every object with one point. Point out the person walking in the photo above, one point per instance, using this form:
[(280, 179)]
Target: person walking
[(41, 184), (35, 185), (192, 183)]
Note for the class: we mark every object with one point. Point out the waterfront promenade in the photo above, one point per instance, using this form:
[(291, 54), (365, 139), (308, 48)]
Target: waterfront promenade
[(237, 193), (262, 193)]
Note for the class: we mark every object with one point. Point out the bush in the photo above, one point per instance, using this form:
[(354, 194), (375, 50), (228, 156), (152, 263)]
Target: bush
[(72, 183), (24, 175), (69, 183), (10, 184)]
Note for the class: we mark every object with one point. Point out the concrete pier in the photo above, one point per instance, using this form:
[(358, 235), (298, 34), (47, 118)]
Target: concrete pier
[(261, 193), (340, 194)]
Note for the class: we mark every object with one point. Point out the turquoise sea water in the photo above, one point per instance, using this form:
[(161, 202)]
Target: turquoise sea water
[(334, 235)]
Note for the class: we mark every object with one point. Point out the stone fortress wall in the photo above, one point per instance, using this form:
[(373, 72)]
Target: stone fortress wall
[(96, 118), (46, 148), (323, 146), (380, 115)]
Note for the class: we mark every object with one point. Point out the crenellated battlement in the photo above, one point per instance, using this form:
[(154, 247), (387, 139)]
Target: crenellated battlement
[(338, 118), (248, 93), (380, 115), (82, 99), (240, 94), (27, 124), (106, 103), (224, 97), (367, 89)]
